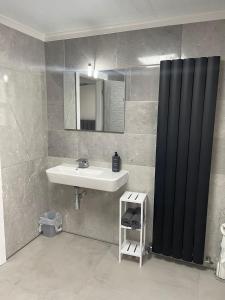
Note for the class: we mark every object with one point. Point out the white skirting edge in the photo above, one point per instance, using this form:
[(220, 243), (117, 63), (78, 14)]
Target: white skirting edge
[(2, 227)]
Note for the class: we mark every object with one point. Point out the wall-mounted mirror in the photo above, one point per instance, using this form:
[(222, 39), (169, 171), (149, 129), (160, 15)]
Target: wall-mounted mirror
[(94, 103)]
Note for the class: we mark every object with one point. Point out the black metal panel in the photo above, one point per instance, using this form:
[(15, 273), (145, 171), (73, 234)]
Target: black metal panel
[(182, 155), (187, 101), (205, 157), (194, 156), (164, 90), (171, 155)]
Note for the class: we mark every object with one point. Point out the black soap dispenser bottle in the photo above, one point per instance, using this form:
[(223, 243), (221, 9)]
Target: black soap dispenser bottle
[(116, 162)]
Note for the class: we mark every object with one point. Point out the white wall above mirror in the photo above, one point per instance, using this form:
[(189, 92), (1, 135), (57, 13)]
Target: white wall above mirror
[(95, 103)]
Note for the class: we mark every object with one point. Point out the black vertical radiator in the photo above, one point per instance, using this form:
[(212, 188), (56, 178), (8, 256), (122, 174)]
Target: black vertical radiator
[(186, 113)]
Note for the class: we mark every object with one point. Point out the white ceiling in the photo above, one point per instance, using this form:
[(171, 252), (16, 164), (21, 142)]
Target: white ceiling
[(56, 19)]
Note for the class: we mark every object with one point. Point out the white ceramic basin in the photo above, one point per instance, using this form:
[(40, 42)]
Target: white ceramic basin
[(93, 177)]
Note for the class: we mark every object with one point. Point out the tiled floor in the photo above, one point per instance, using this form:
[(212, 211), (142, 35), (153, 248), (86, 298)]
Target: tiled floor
[(71, 267)]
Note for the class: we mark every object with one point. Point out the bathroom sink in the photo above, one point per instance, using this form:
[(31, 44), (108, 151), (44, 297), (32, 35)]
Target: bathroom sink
[(93, 177)]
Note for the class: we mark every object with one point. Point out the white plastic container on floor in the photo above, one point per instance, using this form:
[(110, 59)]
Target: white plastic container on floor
[(220, 271), (128, 247)]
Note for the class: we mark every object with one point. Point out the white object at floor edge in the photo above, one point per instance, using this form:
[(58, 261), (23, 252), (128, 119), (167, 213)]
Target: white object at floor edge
[(220, 271)]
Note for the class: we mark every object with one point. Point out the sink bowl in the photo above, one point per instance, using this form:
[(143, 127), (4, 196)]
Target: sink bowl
[(93, 177)]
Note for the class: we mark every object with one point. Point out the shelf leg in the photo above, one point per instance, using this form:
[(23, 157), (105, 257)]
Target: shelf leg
[(120, 255), (124, 230), (141, 234), (145, 214)]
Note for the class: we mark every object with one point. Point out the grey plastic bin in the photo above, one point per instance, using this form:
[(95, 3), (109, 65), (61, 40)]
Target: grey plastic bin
[(50, 223), (48, 230)]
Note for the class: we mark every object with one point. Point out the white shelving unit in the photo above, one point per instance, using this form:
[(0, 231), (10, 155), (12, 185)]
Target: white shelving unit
[(128, 247)]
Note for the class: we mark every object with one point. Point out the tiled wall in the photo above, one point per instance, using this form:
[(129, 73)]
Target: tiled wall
[(207, 39), (23, 135), (98, 216)]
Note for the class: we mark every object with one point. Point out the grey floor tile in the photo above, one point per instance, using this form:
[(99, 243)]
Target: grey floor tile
[(73, 267), (210, 288), (48, 268)]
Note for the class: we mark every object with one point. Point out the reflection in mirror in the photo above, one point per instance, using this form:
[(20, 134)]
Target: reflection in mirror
[(95, 104), (91, 103), (69, 100)]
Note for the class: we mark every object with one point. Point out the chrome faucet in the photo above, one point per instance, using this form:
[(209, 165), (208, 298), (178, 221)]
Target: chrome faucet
[(83, 163)]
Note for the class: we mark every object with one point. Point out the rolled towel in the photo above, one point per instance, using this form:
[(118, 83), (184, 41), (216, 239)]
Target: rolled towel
[(136, 219), (126, 218)]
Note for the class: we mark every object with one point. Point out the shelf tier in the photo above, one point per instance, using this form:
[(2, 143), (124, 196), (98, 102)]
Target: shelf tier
[(132, 197), (129, 228), (132, 248)]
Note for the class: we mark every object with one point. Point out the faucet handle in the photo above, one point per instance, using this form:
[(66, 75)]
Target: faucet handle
[(83, 162)]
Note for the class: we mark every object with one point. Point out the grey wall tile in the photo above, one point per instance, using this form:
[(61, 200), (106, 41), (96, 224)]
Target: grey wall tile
[(55, 116), (143, 84), (149, 46), (62, 143), (20, 51), (141, 178), (22, 116), (23, 135), (219, 127), (221, 87), (54, 82), (44, 106), (218, 158), (100, 51), (55, 55), (53, 161), (13, 149), (137, 149), (79, 53), (127, 49), (98, 146), (216, 215), (204, 39), (106, 53), (216, 200), (97, 217), (25, 199), (141, 117)]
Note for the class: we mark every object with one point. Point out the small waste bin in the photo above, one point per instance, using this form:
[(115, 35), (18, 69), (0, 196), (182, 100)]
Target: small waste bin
[(50, 223)]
